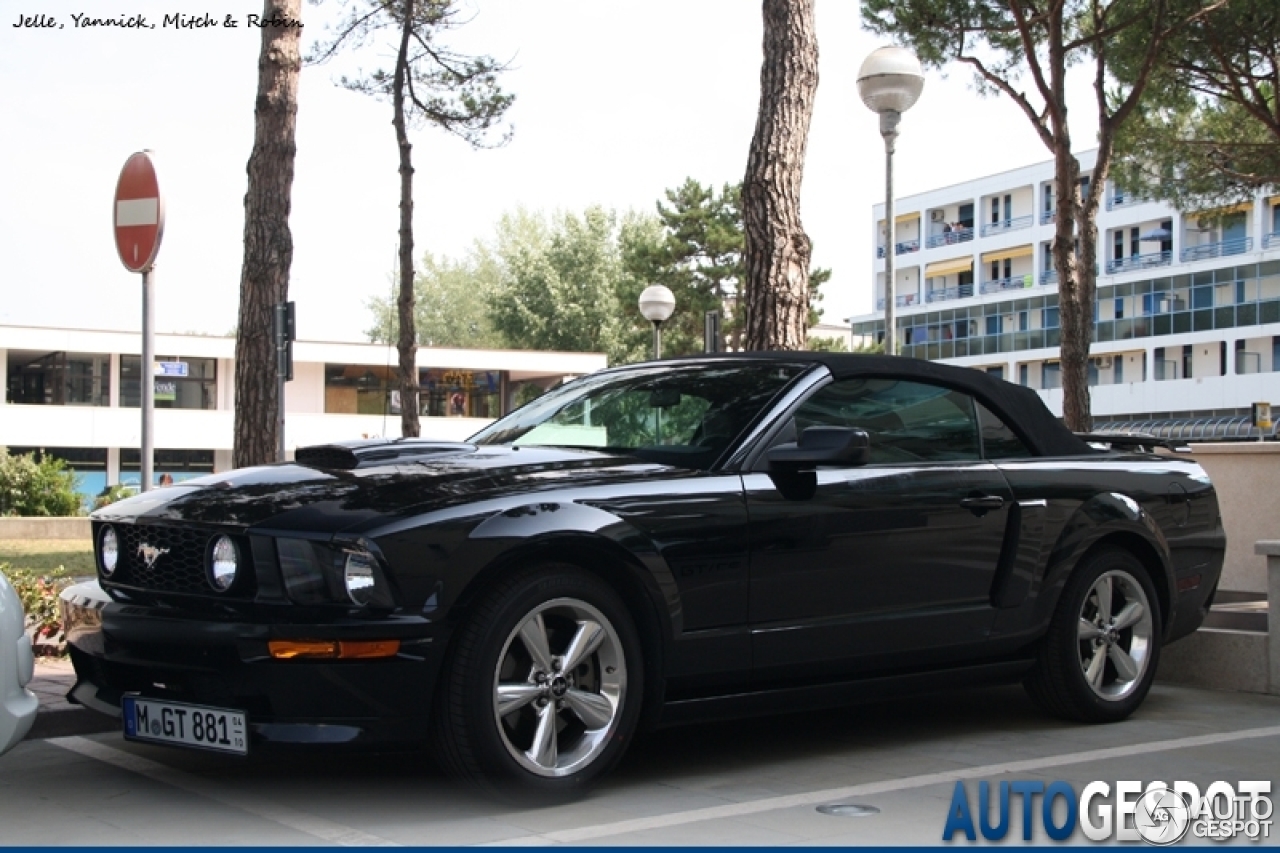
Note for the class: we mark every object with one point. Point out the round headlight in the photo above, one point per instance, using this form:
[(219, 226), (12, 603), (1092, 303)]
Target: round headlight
[(110, 549), (223, 563), (360, 577)]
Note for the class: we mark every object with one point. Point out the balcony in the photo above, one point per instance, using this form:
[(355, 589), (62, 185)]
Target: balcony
[(1138, 262), (1050, 276), (1237, 246), (905, 247), (1121, 198), (961, 235), (905, 301), (1271, 241), (1007, 225), (1048, 217), (945, 294), (1013, 282)]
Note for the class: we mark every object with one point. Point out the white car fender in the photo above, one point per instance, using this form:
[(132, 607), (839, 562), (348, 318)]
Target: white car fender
[(18, 705)]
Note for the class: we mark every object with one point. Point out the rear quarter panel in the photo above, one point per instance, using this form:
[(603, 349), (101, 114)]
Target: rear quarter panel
[(1162, 508)]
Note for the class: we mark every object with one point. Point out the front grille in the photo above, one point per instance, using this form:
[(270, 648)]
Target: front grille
[(180, 567)]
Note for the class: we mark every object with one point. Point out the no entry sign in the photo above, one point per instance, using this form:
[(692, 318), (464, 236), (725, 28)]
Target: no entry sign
[(139, 213)]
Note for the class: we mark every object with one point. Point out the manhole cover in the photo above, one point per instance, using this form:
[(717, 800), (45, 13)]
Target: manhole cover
[(847, 810)]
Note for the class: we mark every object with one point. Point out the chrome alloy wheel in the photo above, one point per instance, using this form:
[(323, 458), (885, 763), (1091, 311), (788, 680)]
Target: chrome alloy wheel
[(1115, 634), (559, 687)]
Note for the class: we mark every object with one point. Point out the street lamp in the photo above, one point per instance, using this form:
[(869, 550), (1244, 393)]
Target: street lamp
[(656, 304), (889, 83)]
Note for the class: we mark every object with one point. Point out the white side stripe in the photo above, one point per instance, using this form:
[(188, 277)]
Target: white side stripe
[(317, 827), (138, 211)]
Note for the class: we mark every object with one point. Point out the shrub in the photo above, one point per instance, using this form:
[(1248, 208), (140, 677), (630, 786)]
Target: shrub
[(111, 494), (34, 486), (38, 592)]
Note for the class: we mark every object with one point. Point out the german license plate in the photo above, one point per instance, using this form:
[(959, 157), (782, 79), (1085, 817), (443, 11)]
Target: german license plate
[(179, 724)]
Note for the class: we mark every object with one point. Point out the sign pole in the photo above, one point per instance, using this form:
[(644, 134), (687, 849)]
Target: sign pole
[(148, 377), (138, 223)]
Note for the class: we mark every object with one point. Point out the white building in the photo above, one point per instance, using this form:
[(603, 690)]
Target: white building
[(75, 394), (1187, 333)]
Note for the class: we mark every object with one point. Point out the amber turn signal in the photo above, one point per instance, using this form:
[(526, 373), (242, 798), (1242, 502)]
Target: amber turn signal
[(337, 649)]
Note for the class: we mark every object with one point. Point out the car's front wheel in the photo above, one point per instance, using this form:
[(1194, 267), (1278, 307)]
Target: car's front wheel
[(1099, 657), (543, 690)]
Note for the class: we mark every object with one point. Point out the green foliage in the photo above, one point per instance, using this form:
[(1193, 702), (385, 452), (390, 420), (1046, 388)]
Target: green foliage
[(37, 485), (451, 304), (821, 343), (113, 493), (1208, 133), (561, 284), (38, 591)]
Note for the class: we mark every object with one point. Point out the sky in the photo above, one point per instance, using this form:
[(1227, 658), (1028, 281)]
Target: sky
[(616, 101)]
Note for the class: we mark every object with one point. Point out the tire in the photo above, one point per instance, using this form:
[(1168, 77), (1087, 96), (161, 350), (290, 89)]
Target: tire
[(510, 716), (1099, 657)]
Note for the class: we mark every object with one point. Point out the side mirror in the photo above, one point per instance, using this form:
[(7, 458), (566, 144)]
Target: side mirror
[(822, 446)]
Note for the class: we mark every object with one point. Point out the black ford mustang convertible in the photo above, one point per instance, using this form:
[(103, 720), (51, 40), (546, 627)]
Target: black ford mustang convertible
[(644, 546)]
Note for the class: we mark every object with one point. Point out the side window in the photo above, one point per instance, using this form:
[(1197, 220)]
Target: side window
[(907, 422), (998, 440)]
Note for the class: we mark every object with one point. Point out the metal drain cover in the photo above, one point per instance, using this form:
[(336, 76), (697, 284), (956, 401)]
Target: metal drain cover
[(848, 810)]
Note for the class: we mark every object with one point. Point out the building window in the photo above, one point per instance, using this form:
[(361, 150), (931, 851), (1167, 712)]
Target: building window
[(58, 378), (461, 393), (1049, 318), (360, 389), (1119, 303), (168, 466), (1188, 355), (993, 325), (180, 383), (1051, 375)]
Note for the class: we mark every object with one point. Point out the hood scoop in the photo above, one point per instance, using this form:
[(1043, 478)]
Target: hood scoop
[(349, 455)]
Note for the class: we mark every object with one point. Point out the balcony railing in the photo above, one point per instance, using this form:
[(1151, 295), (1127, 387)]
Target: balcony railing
[(1138, 262), (1217, 250), (960, 235), (1013, 282), (1007, 225), (1050, 276), (904, 301), (900, 248), (1123, 199), (944, 294), (1270, 240), (1048, 216)]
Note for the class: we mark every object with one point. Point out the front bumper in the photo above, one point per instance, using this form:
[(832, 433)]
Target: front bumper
[(163, 653)]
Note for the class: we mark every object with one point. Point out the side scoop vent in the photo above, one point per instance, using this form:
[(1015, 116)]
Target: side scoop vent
[(349, 455)]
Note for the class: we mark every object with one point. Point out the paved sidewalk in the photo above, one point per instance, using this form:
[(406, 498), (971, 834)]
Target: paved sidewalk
[(57, 717)]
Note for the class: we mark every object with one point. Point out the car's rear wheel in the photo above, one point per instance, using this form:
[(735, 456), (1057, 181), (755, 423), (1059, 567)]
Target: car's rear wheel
[(543, 690), (1099, 657)]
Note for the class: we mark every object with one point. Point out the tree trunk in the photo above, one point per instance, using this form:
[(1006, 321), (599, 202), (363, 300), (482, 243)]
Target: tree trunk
[(268, 243), (777, 249), (407, 343)]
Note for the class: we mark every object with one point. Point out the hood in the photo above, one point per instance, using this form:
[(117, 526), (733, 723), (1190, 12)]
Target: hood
[(296, 497)]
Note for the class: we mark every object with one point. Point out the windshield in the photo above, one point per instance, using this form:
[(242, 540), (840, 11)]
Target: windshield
[(683, 414)]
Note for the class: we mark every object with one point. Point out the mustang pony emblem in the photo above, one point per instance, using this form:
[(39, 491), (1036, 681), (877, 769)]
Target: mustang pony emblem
[(151, 553)]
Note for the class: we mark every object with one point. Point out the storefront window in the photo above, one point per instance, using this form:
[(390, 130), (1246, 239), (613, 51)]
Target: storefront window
[(168, 466), (181, 383), (58, 378), (360, 389)]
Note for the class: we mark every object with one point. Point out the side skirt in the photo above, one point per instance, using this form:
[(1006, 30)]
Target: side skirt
[(839, 694)]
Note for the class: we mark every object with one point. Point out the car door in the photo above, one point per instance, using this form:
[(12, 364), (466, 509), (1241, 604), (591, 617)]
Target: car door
[(889, 564)]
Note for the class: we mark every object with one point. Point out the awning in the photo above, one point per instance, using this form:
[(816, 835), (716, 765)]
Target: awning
[(948, 267), (906, 217), (1002, 254), (1225, 428), (1244, 207)]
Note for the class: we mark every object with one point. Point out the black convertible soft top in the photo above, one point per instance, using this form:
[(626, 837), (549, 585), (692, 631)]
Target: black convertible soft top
[(1019, 407)]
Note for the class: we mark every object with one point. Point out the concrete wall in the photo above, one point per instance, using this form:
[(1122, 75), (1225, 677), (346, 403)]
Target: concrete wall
[(1245, 475), (45, 528)]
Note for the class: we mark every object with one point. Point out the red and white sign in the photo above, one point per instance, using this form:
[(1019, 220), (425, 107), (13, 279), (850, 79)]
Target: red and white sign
[(139, 213)]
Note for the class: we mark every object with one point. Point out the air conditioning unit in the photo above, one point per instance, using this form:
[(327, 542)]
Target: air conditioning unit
[(937, 215), (1104, 362)]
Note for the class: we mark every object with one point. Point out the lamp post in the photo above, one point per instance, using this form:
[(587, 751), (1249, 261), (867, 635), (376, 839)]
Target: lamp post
[(889, 83), (656, 304)]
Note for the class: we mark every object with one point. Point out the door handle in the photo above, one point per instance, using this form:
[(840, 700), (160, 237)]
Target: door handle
[(979, 504)]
